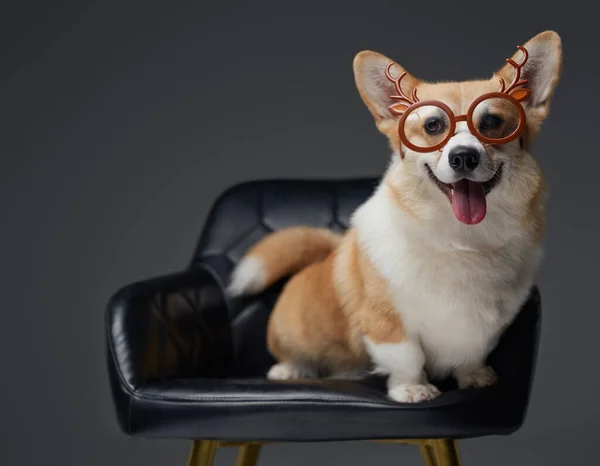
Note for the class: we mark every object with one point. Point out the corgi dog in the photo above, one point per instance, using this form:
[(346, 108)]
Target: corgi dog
[(438, 261)]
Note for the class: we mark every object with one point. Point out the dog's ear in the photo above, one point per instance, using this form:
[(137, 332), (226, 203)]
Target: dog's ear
[(542, 70), (375, 88)]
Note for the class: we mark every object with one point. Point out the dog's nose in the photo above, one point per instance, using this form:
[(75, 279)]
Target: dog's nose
[(463, 159)]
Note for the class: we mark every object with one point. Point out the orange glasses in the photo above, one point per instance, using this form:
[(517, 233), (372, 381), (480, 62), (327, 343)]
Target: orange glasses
[(493, 118)]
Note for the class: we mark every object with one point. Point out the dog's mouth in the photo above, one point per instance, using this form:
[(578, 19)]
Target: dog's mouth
[(468, 197)]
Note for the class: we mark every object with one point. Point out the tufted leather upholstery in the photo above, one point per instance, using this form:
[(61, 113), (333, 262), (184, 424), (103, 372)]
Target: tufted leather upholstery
[(245, 214), (185, 362)]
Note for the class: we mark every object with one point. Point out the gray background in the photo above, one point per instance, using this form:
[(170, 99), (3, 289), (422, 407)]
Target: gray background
[(121, 122)]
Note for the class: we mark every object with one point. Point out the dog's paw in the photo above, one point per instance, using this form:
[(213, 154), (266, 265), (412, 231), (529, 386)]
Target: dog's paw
[(482, 377), (287, 371), (407, 393)]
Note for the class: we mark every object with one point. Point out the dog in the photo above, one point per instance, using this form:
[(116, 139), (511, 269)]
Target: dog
[(438, 261)]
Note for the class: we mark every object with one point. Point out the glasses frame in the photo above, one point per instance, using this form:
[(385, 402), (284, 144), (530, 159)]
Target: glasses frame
[(468, 117), (514, 93)]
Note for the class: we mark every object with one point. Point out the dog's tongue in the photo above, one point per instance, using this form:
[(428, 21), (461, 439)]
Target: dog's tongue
[(468, 201)]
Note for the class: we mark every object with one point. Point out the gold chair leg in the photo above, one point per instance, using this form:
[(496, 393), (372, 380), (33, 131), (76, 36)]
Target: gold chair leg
[(202, 453), (439, 452), (428, 454), (446, 452), (248, 455)]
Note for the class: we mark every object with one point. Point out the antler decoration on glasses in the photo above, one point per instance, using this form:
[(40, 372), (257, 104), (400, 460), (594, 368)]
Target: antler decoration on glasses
[(515, 89), (405, 101)]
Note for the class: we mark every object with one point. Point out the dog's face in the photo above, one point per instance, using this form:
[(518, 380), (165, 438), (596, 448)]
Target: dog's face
[(465, 176)]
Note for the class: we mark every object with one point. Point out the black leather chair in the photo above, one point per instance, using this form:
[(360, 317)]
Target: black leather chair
[(185, 362)]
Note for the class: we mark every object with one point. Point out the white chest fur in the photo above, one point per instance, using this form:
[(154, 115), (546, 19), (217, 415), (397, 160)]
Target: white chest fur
[(454, 301)]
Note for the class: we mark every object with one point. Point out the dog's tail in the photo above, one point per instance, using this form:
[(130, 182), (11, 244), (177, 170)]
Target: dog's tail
[(280, 254)]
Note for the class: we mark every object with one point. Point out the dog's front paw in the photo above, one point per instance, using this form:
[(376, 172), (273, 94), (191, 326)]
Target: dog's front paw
[(407, 393), (482, 377)]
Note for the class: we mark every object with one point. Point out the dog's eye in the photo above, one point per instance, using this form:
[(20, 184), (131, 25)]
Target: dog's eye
[(434, 125), (490, 122)]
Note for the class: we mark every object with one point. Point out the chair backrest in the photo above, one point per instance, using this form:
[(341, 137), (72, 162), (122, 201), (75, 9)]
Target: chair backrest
[(243, 215)]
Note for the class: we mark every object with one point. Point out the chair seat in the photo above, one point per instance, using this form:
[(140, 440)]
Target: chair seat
[(310, 410)]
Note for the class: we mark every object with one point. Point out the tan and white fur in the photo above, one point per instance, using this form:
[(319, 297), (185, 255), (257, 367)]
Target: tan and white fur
[(408, 290)]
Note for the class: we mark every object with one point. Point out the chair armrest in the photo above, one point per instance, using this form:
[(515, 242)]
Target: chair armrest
[(515, 356), (174, 326)]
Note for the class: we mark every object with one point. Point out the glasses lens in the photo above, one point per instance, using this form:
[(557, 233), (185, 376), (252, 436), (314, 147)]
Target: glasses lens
[(496, 118), (426, 126)]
